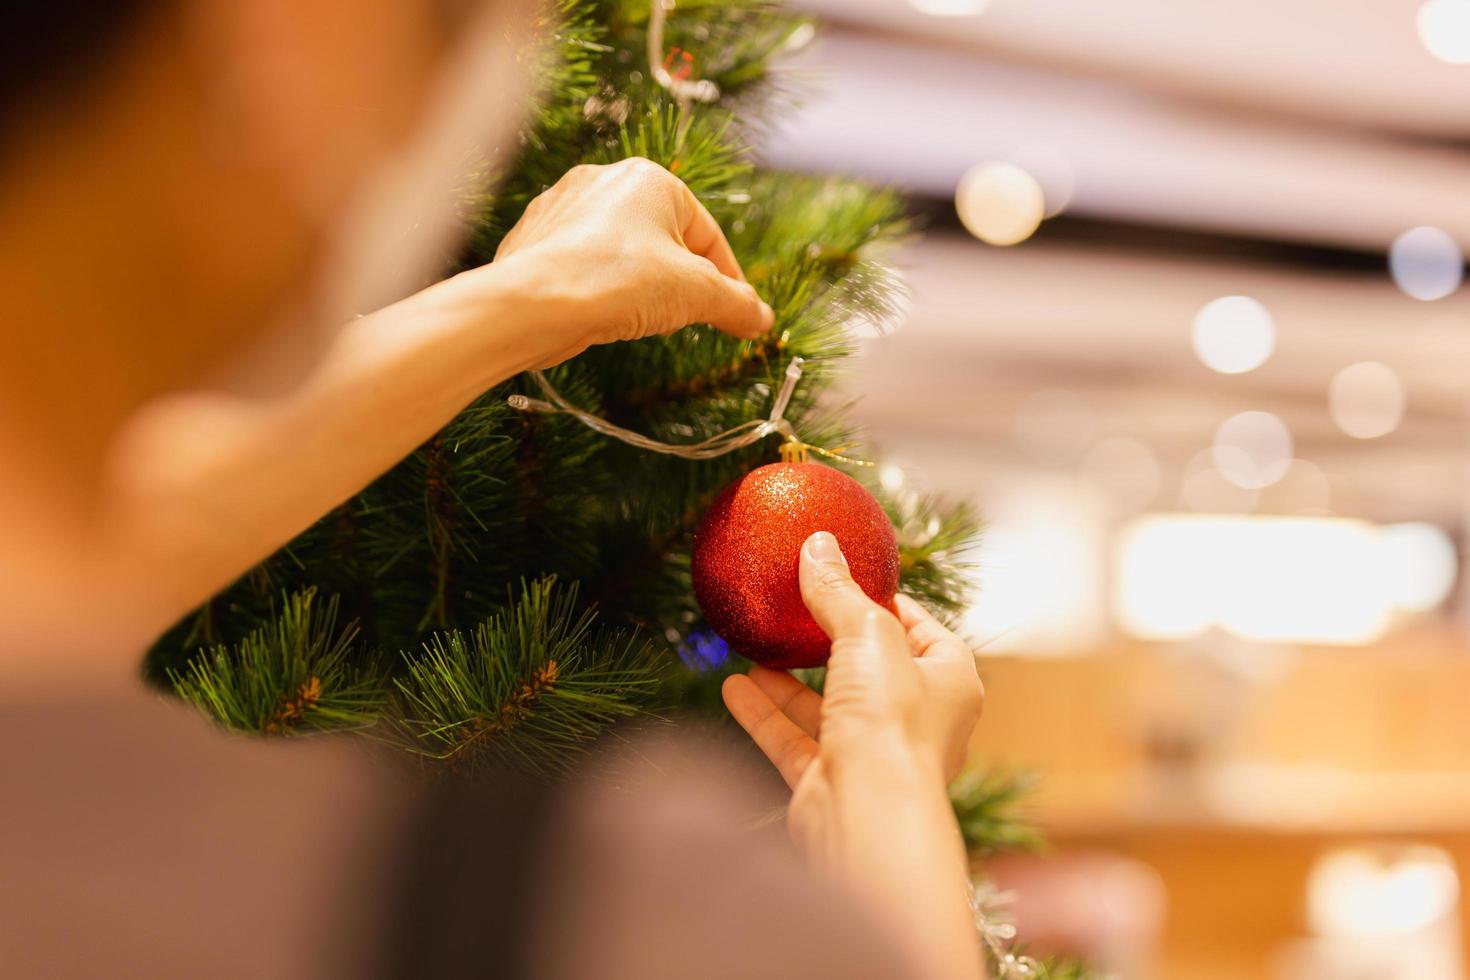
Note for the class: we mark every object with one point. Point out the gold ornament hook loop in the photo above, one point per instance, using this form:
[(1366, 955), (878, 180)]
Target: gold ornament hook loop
[(794, 451)]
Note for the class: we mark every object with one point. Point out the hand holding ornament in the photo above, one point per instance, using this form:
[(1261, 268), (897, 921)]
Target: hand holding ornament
[(868, 761)]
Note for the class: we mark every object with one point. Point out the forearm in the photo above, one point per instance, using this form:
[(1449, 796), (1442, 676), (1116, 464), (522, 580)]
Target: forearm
[(900, 843), (207, 484)]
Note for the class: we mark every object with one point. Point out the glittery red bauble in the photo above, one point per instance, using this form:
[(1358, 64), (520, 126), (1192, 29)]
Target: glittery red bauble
[(747, 553)]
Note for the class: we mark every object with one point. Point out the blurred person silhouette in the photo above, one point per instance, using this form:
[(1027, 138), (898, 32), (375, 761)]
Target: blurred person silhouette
[(189, 191)]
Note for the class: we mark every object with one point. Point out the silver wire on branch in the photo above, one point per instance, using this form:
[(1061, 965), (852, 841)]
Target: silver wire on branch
[(687, 91), (745, 434), (793, 449), (684, 90)]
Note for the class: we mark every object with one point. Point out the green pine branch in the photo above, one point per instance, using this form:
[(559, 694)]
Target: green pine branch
[(936, 542), (299, 674), (1063, 968), (529, 685), (425, 558), (989, 806)]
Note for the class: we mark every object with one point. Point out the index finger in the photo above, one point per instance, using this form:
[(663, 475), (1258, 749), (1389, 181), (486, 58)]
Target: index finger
[(790, 749), (702, 235)]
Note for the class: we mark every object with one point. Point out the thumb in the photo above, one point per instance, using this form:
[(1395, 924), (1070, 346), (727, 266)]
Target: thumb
[(836, 602), (729, 304)]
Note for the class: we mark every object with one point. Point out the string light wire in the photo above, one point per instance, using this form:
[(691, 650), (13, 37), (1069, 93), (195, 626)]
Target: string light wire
[(684, 90), (745, 434), (687, 91)]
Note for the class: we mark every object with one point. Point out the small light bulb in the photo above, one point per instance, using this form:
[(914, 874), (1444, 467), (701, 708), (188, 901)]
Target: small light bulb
[(1234, 334), (1253, 449), (950, 8), (1367, 400), (1426, 263), (999, 203), (1444, 29)]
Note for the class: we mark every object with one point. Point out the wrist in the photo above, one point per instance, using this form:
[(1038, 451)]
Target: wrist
[(894, 836), (549, 319), (495, 317)]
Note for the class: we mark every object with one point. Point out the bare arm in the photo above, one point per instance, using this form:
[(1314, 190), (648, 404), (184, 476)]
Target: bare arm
[(206, 483)]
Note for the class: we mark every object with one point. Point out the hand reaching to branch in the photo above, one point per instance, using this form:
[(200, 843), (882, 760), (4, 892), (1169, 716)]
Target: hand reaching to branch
[(626, 251), (869, 761), (610, 253)]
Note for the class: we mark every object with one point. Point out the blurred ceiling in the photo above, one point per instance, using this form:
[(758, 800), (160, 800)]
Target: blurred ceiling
[(1270, 149), (1356, 64), (990, 327)]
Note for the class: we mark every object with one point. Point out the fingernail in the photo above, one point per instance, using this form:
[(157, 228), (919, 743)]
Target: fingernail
[(768, 316), (823, 547)]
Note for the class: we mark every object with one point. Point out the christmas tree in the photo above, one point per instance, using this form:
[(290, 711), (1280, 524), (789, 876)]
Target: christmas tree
[(521, 581)]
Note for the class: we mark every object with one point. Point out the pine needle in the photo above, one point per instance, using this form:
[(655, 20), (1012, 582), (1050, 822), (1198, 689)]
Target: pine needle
[(528, 686), (297, 675)]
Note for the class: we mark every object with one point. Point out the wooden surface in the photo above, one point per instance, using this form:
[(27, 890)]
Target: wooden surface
[(1230, 781)]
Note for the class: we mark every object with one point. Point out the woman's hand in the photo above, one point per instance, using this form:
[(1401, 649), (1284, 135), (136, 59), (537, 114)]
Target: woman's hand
[(622, 252), (901, 687), (869, 761)]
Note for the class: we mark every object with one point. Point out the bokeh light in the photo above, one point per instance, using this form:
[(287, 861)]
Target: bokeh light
[(1253, 449), (1419, 565), (1040, 571), (891, 477), (1000, 203), (1363, 894), (1265, 579), (1444, 29), (703, 651), (1234, 334), (1426, 263), (1367, 400), (950, 8), (1052, 170)]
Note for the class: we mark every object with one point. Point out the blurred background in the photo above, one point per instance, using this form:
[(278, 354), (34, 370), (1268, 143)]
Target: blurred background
[(1187, 324)]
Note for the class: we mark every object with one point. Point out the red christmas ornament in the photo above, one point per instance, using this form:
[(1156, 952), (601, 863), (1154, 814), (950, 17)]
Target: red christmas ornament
[(747, 554)]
